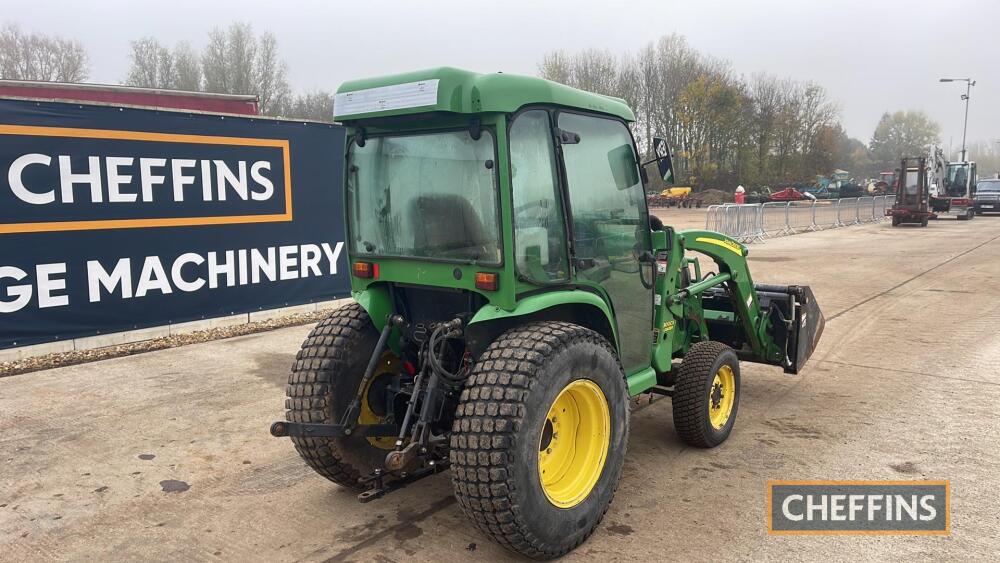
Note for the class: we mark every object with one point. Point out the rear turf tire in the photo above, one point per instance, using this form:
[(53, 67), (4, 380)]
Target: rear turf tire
[(701, 392), (503, 429), (323, 382)]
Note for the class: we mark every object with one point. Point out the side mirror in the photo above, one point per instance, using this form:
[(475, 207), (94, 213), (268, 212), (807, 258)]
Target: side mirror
[(664, 162)]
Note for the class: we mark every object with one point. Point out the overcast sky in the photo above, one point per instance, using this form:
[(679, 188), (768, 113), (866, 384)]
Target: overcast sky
[(870, 55)]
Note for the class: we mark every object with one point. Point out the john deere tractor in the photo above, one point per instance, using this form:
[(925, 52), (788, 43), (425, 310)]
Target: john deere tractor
[(511, 295)]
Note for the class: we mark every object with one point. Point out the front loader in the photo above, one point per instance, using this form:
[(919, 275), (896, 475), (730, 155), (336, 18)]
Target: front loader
[(511, 295)]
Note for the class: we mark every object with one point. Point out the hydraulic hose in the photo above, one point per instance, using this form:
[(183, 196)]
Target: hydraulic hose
[(450, 329)]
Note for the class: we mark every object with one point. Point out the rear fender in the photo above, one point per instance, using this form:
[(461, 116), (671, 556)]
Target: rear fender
[(377, 302), (576, 306)]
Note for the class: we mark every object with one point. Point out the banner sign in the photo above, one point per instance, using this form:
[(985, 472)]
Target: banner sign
[(114, 218)]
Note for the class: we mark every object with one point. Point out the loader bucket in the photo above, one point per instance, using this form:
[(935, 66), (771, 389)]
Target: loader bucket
[(796, 323), (805, 330)]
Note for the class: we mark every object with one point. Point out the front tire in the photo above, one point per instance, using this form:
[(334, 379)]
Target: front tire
[(707, 394), (539, 438)]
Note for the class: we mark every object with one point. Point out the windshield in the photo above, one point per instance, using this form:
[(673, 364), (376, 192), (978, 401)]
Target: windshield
[(957, 180), (991, 187), (424, 196), (912, 184)]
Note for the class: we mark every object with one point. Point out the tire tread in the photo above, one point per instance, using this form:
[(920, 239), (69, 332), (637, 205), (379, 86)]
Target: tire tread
[(323, 355), (490, 414), (689, 393)]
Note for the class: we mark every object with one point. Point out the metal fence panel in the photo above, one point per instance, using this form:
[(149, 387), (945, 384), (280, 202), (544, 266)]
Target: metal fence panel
[(774, 218), (751, 222), (800, 216), (866, 209)]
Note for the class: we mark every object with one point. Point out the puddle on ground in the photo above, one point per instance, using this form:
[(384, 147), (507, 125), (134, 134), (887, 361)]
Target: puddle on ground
[(174, 486), (274, 368)]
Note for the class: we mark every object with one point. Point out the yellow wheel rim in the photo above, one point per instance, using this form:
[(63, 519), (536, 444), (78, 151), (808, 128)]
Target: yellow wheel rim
[(721, 397), (388, 366), (574, 443)]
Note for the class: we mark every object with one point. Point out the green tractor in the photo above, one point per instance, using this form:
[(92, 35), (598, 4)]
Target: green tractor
[(512, 294)]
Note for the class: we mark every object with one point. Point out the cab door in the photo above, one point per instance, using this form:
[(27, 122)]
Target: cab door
[(610, 231)]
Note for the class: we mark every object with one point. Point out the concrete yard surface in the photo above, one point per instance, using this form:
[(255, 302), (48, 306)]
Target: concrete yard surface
[(166, 456)]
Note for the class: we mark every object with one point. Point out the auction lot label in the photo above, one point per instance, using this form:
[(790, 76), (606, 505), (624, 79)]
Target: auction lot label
[(115, 218), (859, 507)]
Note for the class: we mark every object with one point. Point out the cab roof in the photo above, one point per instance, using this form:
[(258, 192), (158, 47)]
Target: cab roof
[(453, 90)]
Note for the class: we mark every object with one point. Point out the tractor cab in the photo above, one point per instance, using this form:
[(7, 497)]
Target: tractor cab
[(466, 190), (960, 179)]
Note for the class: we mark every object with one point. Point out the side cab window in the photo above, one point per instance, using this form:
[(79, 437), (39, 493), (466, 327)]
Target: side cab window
[(539, 233), (606, 193)]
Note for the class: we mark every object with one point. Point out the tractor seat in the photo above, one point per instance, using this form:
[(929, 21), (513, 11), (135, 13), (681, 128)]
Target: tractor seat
[(447, 226)]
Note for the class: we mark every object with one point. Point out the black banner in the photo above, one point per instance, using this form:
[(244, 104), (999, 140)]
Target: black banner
[(114, 218)]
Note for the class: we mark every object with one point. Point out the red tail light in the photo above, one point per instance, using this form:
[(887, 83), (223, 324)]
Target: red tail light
[(487, 281), (365, 270)]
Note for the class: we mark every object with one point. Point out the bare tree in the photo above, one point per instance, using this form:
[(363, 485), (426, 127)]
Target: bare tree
[(235, 61), (214, 63), (596, 71), (269, 73), (557, 67), (151, 65), (787, 134), (648, 89), (39, 57), (317, 106), (816, 113), (155, 66), (765, 101), (187, 68)]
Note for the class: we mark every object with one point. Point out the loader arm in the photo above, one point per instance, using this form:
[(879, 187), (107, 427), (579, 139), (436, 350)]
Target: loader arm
[(769, 324), (730, 256)]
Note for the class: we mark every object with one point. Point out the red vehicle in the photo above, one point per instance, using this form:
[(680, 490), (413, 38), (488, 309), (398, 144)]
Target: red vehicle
[(127, 95), (886, 183), (787, 194)]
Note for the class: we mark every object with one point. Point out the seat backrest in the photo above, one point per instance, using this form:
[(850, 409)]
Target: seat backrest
[(446, 225)]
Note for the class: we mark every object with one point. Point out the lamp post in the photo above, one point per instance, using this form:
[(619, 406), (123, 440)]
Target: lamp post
[(969, 83)]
